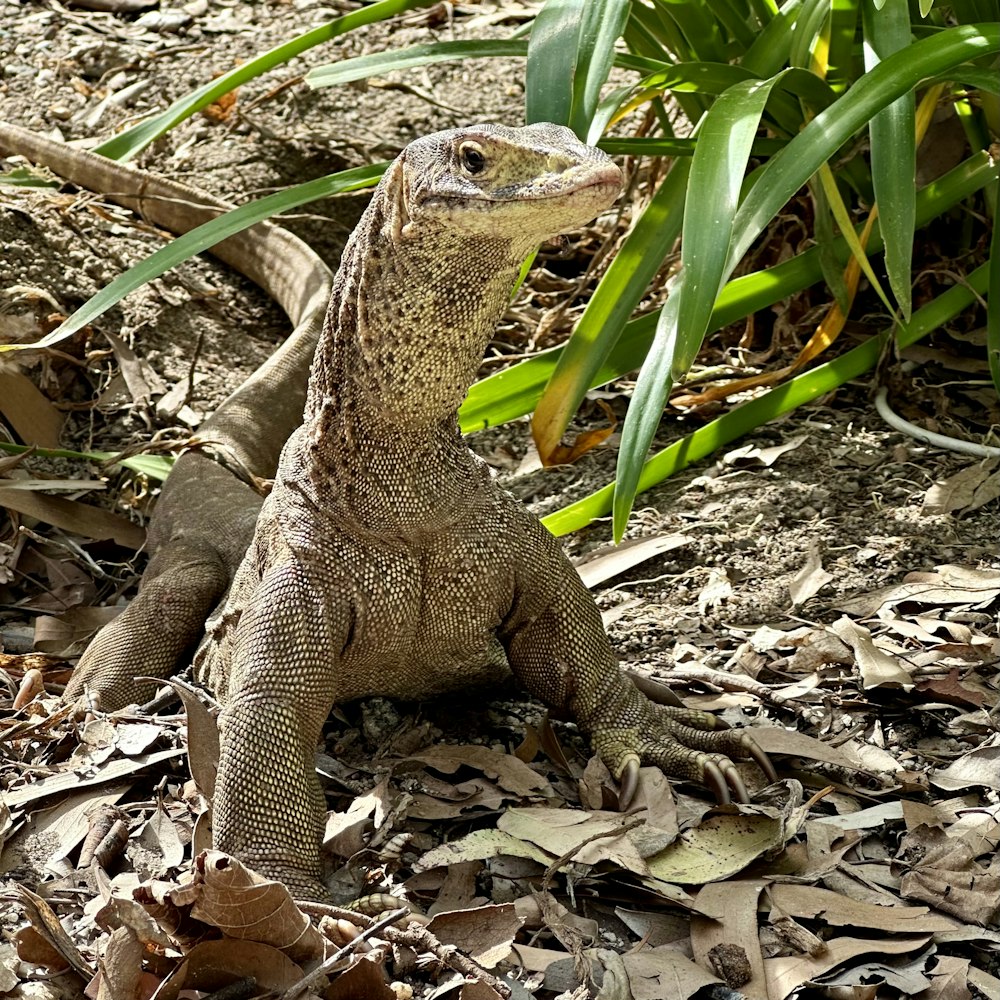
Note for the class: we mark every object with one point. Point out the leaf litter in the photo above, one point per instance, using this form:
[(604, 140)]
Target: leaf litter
[(860, 865)]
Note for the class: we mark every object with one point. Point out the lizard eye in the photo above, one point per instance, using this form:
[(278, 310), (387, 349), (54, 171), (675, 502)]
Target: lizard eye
[(471, 155)]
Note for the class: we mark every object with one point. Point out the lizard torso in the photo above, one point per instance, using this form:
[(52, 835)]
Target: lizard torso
[(377, 498)]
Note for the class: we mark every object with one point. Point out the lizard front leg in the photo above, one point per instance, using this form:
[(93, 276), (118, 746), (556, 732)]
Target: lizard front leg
[(557, 647), (278, 678)]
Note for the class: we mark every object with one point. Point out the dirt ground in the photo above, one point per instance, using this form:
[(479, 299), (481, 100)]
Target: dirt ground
[(784, 533)]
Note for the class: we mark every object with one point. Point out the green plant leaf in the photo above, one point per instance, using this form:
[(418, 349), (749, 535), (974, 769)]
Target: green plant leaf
[(993, 305), (893, 148), (512, 392), (132, 141), (725, 137), (623, 285), (201, 238), (788, 170), (362, 67), (570, 53), (152, 466)]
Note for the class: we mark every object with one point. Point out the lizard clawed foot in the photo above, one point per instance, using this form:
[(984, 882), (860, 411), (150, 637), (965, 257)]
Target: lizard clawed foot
[(683, 744)]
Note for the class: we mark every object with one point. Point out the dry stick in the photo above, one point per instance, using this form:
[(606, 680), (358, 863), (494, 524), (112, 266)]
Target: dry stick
[(320, 972), (414, 936), (727, 682), (553, 869)]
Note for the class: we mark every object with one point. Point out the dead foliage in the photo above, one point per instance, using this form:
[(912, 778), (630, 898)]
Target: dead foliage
[(874, 859)]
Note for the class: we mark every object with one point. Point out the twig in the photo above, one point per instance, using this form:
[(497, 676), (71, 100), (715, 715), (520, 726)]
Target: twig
[(414, 936), (315, 977)]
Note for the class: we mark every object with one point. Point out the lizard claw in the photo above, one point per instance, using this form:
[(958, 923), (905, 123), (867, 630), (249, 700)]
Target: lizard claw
[(716, 783), (761, 759), (683, 743), (629, 782)]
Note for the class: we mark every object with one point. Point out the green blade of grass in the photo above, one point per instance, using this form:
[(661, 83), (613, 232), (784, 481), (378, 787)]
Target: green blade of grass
[(788, 170), (512, 392), (152, 466), (127, 144), (362, 67), (201, 238), (677, 147), (623, 285), (782, 399), (993, 306), (725, 136), (779, 179), (893, 148), (570, 53)]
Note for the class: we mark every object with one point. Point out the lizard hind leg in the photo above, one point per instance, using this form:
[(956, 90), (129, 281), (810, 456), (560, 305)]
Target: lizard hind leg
[(153, 635)]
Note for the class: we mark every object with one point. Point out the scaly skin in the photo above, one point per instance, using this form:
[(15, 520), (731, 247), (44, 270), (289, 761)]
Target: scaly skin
[(386, 560)]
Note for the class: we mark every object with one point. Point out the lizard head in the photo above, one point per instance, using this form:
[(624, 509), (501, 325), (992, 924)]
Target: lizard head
[(523, 184)]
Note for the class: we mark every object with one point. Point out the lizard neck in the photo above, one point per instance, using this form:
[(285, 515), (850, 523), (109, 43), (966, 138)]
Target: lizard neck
[(410, 317)]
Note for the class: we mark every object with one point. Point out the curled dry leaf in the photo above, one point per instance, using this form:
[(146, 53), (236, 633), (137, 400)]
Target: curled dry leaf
[(510, 773), (947, 873), (74, 516), (809, 580), (247, 906), (478, 846), (947, 585), (720, 847), (787, 974), (587, 838), (213, 965), (878, 669)]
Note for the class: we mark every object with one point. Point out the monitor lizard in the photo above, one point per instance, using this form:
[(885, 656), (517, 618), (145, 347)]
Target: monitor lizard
[(385, 559)]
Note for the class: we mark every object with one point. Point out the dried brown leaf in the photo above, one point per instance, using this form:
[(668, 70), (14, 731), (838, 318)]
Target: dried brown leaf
[(949, 979), (213, 965), (247, 906), (946, 585), (30, 412), (73, 516), (944, 873), (785, 975), (655, 973), (719, 848), (951, 691), (478, 846), (68, 634), (877, 668), (751, 454), (810, 579), (588, 838), (121, 967), (978, 767), (968, 489), (511, 773), (70, 779), (611, 560), (46, 924), (734, 904), (485, 933), (362, 980), (815, 903)]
